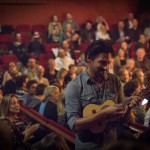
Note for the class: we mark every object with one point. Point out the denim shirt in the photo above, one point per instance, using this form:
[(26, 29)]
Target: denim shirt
[(81, 91)]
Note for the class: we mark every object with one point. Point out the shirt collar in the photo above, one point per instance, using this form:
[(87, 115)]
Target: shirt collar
[(88, 80)]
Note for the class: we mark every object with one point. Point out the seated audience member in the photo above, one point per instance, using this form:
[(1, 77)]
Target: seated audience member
[(134, 32), (119, 60), (31, 70), (36, 45), (48, 108), (63, 61), (102, 32), (123, 74), (21, 89), (71, 73), (138, 74), (50, 72), (60, 79), (142, 42), (8, 74), (119, 33), (21, 67), (99, 21), (87, 34), (132, 87), (141, 61), (19, 48), (62, 116), (54, 22), (30, 99), (67, 47), (75, 43), (67, 35), (40, 76), (125, 46), (129, 21), (21, 132), (69, 20), (39, 91), (130, 66), (52, 141), (81, 60), (56, 36)]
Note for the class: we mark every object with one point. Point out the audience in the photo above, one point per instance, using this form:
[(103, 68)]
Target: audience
[(40, 89)]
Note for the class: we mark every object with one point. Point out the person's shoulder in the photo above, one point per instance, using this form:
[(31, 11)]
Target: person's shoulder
[(113, 77)]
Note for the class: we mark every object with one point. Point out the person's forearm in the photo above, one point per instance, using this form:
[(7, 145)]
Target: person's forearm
[(86, 122)]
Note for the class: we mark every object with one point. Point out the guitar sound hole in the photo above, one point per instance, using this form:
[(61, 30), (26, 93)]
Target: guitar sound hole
[(93, 111)]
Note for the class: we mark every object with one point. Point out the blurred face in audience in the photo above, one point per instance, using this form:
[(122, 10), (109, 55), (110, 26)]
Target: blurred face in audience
[(33, 89), (124, 45), (130, 16), (142, 38), (55, 95), (14, 107), (69, 16), (66, 45), (121, 53), (55, 18), (124, 76), (18, 37), (88, 26), (32, 63), (62, 53), (130, 64), (140, 53), (51, 63), (41, 71), (135, 22), (140, 77), (121, 25)]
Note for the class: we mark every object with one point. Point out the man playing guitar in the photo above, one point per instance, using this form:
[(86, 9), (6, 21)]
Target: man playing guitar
[(94, 87)]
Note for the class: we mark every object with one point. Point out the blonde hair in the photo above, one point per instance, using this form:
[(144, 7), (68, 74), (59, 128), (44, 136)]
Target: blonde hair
[(5, 104), (49, 89), (61, 104)]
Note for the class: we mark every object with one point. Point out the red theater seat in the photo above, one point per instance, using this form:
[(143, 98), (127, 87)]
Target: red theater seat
[(23, 28)]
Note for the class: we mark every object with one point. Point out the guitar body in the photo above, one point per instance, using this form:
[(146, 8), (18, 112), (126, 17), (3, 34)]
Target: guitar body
[(91, 109)]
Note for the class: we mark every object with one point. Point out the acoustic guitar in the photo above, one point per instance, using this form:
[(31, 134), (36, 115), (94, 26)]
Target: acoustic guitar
[(91, 109)]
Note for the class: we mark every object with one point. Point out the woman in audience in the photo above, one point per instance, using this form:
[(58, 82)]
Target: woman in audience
[(119, 60), (56, 36), (102, 32), (9, 113), (60, 80), (51, 73), (53, 23), (62, 116), (48, 108), (36, 45), (123, 74), (8, 74)]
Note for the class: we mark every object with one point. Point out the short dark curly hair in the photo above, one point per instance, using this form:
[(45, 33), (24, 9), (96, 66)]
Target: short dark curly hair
[(99, 47)]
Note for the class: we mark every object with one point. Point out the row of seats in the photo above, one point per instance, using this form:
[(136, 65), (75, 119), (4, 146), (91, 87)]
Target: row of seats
[(24, 28)]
